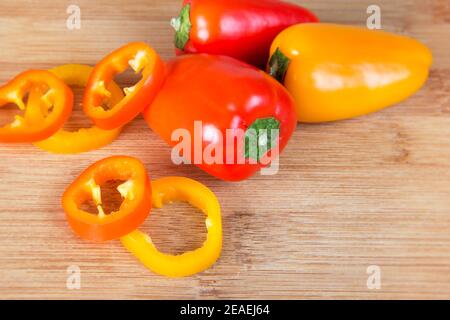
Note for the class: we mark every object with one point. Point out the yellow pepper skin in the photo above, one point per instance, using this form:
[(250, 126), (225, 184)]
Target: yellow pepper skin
[(85, 139), (337, 72), (171, 189)]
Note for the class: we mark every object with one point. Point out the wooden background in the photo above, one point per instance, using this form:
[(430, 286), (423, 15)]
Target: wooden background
[(369, 191)]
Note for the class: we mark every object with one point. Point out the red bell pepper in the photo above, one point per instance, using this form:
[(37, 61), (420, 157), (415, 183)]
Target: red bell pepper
[(224, 94), (242, 29)]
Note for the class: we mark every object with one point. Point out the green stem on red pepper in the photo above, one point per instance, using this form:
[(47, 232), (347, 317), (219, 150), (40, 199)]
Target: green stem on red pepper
[(182, 26), (261, 137)]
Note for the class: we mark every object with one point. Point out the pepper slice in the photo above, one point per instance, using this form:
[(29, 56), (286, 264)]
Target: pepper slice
[(85, 139), (37, 123), (189, 263), (141, 58), (136, 192)]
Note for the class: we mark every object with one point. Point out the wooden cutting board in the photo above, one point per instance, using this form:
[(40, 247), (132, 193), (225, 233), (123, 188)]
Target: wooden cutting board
[(373, 191)]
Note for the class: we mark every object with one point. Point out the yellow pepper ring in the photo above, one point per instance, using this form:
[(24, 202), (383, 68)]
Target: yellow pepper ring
[(189, 263), (85, 139)]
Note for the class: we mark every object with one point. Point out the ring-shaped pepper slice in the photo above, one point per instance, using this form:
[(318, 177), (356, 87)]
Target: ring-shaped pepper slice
[(142, 59), (84, 139), (135, 190), (37, 123), (198, 195)]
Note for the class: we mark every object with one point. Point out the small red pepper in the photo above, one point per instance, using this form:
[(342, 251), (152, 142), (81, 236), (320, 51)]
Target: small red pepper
[(224, 97), (49, 106), (141, 58), (242, 29)]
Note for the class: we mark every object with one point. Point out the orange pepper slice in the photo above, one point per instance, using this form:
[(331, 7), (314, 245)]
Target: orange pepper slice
[(40, 120), (136, 192), (142, 59)]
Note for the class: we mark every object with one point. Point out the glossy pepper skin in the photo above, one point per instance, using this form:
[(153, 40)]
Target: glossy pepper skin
[(224, 94), (337, 72), (47, 109), (242, 29), (171, 189), (135, 190)]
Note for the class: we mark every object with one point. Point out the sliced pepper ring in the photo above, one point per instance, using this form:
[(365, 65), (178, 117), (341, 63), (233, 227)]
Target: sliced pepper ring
[(141, 58), (37, 123), (85, 139), (136, 192), (189, 263)]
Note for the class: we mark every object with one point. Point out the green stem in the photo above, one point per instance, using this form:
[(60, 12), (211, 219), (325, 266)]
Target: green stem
[(261, 137), (182, 25), (278, 65), (176, 23)]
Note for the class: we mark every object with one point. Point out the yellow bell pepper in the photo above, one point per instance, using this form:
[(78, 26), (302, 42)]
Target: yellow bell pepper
[(85, 139), (189, 263), (337, 72)]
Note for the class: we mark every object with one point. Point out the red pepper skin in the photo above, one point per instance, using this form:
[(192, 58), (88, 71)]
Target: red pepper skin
[(223, 93), (242, 29)]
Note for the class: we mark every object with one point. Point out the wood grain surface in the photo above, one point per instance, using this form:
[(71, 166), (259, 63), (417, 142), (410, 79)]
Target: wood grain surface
[(369, 191)]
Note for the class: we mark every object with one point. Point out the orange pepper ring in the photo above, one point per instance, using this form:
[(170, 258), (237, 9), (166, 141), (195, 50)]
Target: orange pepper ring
[(140, 57), (189, 263), (136, 191), (85, 139), (34, 126)]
